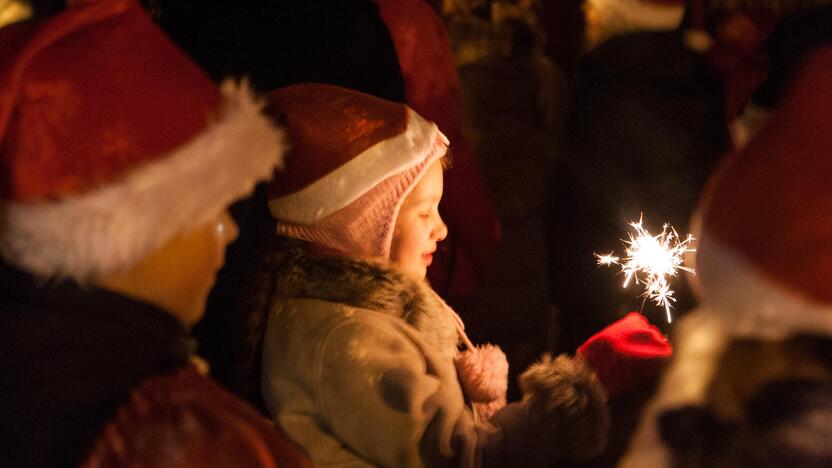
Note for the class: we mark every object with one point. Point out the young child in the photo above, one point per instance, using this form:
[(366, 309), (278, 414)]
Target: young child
[(360, 358)]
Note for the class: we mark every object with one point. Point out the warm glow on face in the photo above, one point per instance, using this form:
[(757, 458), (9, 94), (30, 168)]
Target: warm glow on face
[(179, 275), (418, 226), (204, 249)]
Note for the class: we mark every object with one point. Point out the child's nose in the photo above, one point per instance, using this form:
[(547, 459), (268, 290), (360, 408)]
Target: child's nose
[(227, 229), (440, 232)]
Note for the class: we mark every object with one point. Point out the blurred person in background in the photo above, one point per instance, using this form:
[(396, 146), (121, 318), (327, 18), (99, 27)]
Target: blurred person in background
[(120, 159), (751, 382)]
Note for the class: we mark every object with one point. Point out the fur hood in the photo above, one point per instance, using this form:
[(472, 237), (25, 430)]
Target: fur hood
[(304, 275)]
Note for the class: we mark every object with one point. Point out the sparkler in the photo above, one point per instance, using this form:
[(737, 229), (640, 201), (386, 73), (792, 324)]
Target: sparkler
[(652, 261)]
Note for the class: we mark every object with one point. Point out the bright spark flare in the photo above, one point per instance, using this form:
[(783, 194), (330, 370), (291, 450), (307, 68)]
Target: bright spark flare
[(607, 259), (652, 261)]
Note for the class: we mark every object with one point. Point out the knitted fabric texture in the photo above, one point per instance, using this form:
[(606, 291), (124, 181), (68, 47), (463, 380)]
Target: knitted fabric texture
[(365, 226), (354, 159)]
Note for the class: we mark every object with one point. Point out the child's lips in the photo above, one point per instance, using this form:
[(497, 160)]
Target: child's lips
[(427, 258)]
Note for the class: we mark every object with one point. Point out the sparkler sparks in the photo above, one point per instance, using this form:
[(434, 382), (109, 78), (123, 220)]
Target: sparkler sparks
[(652, 261), (607, 259)]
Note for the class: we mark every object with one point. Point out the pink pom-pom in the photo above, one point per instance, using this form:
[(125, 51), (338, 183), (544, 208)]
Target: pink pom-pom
[(483, 373), (484, 411)]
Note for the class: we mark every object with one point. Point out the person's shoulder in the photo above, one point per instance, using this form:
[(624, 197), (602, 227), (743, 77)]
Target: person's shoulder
[(187, 419)]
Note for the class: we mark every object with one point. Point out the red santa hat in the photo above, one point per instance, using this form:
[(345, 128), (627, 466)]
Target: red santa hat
[(354, 158), (764, 259), (112, 142)]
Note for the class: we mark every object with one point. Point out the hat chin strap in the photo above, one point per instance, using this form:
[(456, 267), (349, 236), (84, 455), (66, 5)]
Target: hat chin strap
[(482, 371)]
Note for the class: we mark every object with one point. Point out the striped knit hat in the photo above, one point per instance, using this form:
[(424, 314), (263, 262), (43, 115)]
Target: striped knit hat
[(112, 142), (354, 159)]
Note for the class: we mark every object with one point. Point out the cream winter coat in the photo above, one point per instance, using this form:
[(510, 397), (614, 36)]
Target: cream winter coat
[(358, 368)]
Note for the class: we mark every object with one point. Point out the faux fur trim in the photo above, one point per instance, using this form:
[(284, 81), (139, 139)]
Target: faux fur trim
[(365, 285), (345, 184), (111, 228), (750, 302), (564, 397), (700, 341)]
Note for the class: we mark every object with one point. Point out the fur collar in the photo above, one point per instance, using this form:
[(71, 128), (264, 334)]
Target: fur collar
[(302, 275)]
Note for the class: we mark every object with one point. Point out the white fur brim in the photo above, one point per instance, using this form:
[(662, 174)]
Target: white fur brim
[(750, 302), (111, 228)]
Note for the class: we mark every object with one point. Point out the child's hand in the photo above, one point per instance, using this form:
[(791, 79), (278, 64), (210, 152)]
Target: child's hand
[(626, 352)]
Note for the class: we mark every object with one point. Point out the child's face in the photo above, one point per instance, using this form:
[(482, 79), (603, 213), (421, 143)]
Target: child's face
[(419, 227)]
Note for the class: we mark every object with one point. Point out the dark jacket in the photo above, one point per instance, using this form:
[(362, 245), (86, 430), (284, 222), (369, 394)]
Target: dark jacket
[(68, 357), (73, 358)]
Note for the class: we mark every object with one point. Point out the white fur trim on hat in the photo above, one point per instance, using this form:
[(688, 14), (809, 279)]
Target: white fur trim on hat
[(751, 303), (345, 184), (113, 227)]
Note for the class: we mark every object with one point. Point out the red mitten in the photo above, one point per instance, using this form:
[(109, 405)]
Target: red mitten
[(625, 353)]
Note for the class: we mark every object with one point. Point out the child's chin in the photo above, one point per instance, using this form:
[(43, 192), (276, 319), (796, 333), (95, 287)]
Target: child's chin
[(415, 272)]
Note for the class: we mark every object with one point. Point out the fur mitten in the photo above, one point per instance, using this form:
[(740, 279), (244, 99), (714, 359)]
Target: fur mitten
[(626, 353), (565, 407)]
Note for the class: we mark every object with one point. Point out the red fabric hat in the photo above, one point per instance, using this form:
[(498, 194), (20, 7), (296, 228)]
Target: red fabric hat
[(764, 259), (354, 158), (112, 142), (626, 353)]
